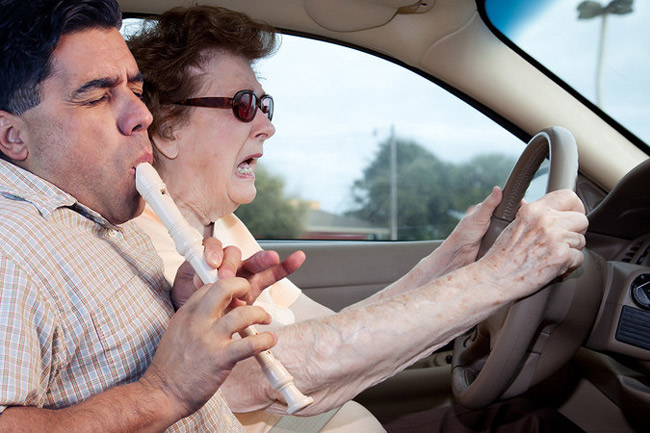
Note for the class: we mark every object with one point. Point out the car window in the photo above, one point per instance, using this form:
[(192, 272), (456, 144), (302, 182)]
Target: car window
[(366, 149)]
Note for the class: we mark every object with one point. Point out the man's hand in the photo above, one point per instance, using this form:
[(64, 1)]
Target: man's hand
[(261, 270), (197, 352)]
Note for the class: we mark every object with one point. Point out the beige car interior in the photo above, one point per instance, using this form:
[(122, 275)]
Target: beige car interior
[(448, 40)]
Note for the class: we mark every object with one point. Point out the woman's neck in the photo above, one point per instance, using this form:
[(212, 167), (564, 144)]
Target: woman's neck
[(194, 219), (194, 214)]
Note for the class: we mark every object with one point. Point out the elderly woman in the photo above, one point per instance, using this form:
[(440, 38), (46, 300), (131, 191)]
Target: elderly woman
[(211, 118)]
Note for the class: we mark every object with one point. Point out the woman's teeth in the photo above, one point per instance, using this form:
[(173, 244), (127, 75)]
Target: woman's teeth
[(245, 169)]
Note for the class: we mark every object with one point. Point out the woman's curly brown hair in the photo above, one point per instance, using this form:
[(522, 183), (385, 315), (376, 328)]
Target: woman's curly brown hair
[(170, 45)]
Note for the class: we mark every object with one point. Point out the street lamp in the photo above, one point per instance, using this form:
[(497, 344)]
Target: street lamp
[(593, 9)]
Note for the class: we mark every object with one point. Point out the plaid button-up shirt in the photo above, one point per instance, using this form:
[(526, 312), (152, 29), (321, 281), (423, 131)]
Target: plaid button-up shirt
[(83, 303)]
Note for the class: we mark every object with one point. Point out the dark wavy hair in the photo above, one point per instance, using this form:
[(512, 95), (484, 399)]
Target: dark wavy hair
[(30, 31), (170, 45)]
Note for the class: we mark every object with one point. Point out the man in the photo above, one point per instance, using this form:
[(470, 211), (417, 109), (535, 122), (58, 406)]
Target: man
[(90, 340)]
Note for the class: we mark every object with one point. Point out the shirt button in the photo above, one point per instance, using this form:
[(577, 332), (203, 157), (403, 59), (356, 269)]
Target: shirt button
[(112, 233)]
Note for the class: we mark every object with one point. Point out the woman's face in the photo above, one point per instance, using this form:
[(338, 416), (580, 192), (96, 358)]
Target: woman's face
[(213, 170)]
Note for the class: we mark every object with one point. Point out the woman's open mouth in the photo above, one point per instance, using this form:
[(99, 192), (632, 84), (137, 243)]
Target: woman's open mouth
[(247, 167)]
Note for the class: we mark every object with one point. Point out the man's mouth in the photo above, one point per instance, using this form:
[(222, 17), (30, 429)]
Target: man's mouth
[(147, 157)]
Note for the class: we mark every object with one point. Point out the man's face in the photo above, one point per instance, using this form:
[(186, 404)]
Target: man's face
[(90, 129)]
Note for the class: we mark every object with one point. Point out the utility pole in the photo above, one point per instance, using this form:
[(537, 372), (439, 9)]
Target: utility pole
[(393, 184), (593, 9)]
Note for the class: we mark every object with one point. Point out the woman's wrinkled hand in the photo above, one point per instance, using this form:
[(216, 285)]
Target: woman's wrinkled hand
[(463, 243), (544, 241), (261, 270)]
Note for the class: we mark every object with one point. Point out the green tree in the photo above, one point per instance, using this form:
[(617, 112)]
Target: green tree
[(431, 193), (272, 215), (474, 180)]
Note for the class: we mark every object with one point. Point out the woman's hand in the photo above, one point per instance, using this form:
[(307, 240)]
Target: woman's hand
[(264, 268), (544, 241), (261, 270), (462, 245)]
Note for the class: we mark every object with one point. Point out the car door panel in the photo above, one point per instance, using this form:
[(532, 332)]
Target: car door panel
[(340, 273)]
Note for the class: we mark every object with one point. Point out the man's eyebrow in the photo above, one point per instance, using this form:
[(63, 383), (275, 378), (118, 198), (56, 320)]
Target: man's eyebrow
[(138, 77), (105, 83), (99, 83)]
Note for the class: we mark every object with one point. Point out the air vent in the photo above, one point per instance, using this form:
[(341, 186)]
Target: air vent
[(629, 255), (642, 258), (633, 327), (638, 253)]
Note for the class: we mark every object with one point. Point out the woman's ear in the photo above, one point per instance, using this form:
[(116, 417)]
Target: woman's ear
[(168, 147), (12, 130)]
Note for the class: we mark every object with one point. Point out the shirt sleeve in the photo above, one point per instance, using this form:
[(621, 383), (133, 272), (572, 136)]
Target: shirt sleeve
[(28, 339)]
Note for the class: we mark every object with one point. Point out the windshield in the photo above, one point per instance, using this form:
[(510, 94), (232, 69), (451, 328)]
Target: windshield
[(599, 49)]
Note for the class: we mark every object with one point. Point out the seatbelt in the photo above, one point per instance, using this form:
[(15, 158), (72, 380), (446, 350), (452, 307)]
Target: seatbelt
[(298, 424)]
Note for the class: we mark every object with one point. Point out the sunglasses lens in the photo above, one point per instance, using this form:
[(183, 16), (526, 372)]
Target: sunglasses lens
[(245, 106), (267, 106)]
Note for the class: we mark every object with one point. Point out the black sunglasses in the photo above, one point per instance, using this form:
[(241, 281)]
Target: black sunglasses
[(244, 104)]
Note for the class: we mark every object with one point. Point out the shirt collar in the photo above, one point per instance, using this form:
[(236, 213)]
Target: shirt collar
[(19, 184)]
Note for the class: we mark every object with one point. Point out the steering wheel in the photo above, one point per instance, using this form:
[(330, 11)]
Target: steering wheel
[(527, 341)]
